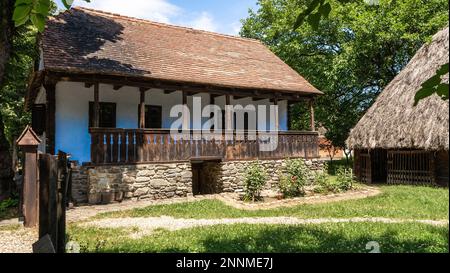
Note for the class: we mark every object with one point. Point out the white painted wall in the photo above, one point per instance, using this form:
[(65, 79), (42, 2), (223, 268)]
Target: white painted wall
[(72, 112)]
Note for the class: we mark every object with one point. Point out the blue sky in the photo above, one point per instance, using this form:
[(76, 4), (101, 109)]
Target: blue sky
[(221, 16)]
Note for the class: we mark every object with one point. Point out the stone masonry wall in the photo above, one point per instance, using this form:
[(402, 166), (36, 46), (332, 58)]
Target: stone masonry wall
[(233, 173), (106, 184), (150, 181), (80, 185)]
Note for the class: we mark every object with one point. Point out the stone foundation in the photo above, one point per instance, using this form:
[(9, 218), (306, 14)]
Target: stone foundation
[(233, 172), (106, 184)]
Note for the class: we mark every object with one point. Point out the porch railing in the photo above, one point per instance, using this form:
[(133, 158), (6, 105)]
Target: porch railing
[(124, 146)]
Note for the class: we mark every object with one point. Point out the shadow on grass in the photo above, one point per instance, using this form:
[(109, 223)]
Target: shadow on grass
[(330, 238)]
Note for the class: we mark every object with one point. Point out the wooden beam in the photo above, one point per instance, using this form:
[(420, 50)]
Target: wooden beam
[(142, 110), (88, 84), (172, 85), (144, 89), (117, 87), (169, 91), (50, 89), (311, 110), (96, 123)]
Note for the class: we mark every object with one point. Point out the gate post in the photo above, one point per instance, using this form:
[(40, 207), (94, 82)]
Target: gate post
[(28, 142)]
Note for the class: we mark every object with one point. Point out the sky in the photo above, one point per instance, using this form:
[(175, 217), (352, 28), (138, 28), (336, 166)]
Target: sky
[(222, 16)]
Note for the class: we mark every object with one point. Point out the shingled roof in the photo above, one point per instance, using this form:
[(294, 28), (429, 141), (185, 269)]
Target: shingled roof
[(89, 41)]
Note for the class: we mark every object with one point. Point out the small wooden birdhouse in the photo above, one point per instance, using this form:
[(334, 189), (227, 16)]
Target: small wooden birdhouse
[(28, 138)]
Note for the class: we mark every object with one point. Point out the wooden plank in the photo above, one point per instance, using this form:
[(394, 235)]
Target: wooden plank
[(115, 147), (108, 148)]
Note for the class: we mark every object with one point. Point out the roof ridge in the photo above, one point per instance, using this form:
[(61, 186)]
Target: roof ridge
[(135, 19)]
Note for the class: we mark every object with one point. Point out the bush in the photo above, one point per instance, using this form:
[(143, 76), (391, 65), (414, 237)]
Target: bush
[(344, 179), (254, 181), (8, 203), (293, 182), (342, 183)]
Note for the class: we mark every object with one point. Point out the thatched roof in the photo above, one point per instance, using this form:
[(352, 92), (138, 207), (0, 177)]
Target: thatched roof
[(393, 122)]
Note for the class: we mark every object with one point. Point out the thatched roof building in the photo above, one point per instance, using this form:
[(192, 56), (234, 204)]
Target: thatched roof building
[(393, 122), (398, 142)]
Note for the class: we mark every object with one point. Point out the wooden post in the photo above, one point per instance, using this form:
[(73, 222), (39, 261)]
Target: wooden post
[(311, 109), (50, 129), (186, 114), (28, 141), (142, 124), (289, 117), (277, 118), (228, 114), (96, 123)]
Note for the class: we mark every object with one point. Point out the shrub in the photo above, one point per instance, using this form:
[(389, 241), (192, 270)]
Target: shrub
[(8, 203), (342, 183), (344, 179), (292, 183), (254, 181), (322, 182)]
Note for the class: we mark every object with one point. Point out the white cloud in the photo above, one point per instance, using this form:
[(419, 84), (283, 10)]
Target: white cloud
[(235, 28), (204, 22), (156, 10), (163, 11)]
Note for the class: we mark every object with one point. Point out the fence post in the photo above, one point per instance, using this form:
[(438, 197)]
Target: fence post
[(28, 142)]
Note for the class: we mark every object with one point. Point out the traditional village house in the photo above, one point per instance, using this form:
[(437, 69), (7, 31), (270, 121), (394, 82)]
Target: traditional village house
[(105, 89)]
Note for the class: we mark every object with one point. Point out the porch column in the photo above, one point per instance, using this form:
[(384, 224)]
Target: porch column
[(142, 124), (186, 114), (277, 117), (311, 110), (289, 118), (96, 122), (228, 114)]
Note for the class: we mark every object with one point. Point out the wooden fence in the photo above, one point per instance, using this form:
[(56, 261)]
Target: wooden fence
[(410, 167), (116, 146)]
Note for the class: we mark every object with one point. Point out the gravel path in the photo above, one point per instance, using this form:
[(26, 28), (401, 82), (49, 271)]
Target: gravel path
[(18, 240), (147, 225)]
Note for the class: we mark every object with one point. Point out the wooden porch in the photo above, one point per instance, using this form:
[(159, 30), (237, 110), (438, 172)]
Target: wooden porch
[(131, 146)]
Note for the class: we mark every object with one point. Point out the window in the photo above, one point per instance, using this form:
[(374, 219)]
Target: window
[(107, 115), (153, 117), (38, 114)]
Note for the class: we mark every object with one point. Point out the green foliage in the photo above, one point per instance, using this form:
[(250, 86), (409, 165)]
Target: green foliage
[(9, 208), (254, 181), (13, 91), (8, 203), (35, 11), (293, 181), (352, 54), (344, 179), (434, 85)]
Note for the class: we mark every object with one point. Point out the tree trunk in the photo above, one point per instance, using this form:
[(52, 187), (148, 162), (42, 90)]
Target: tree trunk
[(6, 32)]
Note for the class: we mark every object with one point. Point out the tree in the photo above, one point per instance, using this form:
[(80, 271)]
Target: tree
[(317, 9), (349, 49), (15, 60)]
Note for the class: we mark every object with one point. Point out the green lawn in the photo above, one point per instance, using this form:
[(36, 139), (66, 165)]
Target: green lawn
[(343, 237), (402, 202)]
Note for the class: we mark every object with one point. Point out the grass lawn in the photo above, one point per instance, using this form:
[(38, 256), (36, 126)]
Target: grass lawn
[(402, 202), (343, 237)]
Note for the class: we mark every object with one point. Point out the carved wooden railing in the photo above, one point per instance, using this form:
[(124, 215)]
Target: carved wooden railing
[(123, 146)]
